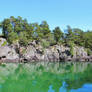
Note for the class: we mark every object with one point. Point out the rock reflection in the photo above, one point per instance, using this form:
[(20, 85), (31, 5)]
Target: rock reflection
[(46, 77)]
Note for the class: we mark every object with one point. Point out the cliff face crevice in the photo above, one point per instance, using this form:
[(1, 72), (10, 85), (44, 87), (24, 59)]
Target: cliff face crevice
[(35, 52)]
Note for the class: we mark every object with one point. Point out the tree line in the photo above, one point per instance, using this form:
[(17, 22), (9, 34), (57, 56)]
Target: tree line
[(19, 30)]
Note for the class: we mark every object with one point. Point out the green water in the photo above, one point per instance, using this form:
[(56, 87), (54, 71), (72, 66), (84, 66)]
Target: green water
[(45, 77)]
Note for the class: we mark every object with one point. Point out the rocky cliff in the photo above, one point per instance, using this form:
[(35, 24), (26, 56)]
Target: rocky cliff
[(35, 52)]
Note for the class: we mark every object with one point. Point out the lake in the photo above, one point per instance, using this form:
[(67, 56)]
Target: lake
[(46, 77)]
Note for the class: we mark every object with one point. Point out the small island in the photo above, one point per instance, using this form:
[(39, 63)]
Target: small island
[(21, 41)]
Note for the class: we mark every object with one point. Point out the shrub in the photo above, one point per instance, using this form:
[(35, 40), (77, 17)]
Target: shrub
[(89, 52), (45, 43), (5, 42)]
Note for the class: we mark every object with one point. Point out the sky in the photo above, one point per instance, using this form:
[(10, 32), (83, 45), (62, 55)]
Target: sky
[(76, 13)]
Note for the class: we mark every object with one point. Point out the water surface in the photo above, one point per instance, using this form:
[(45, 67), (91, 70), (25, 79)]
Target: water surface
[(46, 77)]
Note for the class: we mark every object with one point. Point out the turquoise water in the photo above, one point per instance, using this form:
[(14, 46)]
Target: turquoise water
[(46, 77)]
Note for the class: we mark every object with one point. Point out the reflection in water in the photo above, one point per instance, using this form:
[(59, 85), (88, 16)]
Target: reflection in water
[(85, 88), (0, 86), (50, 89), (63, 88), (37, 77)]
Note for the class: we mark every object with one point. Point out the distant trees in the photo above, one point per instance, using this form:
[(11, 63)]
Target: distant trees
[(19, 30)]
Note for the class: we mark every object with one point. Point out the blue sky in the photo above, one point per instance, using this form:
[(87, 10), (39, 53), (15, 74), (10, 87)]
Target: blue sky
[(76, 13)]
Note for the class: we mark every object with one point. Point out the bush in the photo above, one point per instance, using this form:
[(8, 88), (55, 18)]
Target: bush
[(24, 51), (89, 52), (5, 42), (23, 41), (71, 44), (45, 43), (12, 37)]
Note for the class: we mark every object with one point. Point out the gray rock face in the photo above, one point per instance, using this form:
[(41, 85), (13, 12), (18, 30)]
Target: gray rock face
[(79, 52), (51, 54), (54, 53), (35, 52), (7, 53)]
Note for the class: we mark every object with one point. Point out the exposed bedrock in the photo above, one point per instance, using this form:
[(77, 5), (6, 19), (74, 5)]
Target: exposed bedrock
[(35, 52)]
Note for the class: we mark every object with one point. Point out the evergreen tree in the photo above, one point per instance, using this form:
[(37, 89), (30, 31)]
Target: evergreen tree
[(45, 29), (18, 29), (57, 34)]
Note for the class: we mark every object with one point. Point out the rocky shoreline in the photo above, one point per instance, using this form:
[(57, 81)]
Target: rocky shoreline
[(35, 53)]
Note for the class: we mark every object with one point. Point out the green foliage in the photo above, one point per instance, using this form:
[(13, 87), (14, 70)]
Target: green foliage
[(51, 40), (37, 34), (78, 36), (89, 52), (3, 65), (71, 48), (5, 25), (5, 42), (45, 43), (12, 37), (18, 29), (69, 36), (57, 34), (45, 29), (71, 51), (23, 51), (88, 39), (23, 38)]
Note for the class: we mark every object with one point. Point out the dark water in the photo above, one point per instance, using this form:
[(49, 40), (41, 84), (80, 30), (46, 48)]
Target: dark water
[(46, 77)]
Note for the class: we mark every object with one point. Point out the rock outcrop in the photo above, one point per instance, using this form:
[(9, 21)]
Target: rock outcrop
[(7, 53), (35, 52)]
